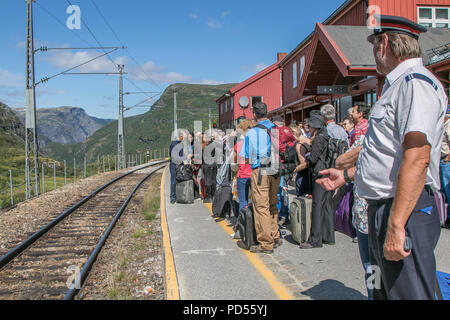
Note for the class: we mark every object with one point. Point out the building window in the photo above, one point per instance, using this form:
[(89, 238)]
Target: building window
[(434, 17), (256, 99), (232, 104), (302, 66), (294, 75), (226, 106)]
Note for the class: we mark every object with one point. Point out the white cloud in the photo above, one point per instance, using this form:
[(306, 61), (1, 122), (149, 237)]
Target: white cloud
[(10, 80), (67, 60), (193, 16), (160, 75), (254, 68), (212, 82), (21, 44), (213, 24), (225, 13), (155, 73)]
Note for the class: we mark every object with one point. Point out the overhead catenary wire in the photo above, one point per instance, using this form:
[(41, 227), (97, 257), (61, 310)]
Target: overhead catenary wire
[(88, 43), (118, 39), (82, 64), (98, 42)]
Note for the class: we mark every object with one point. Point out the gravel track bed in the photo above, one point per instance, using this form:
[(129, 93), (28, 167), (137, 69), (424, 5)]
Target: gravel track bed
[(20, 222), (130, 265)]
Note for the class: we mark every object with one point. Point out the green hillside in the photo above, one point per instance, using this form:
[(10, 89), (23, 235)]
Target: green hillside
[(151, 130)]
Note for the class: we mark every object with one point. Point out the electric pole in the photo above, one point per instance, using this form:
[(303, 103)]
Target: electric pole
[(31, 139), (120, 143)]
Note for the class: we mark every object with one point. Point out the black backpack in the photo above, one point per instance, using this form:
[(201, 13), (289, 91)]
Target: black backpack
[(289, 156), (336, 147)]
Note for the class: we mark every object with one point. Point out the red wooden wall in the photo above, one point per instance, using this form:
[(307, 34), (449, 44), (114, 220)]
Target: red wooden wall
[(406, 8)]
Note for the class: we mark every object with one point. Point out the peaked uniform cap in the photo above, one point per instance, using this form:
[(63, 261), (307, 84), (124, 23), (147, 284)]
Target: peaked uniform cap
[(396, 24)]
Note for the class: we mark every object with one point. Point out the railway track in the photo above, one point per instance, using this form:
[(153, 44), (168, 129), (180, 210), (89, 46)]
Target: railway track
[(54, 262)]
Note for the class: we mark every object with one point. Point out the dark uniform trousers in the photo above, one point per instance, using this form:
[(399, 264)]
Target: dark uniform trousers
[(322, 217), (173, 181), (413, 278)]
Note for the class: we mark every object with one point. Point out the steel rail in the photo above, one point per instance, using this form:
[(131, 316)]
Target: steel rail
[(11, 255), (81, 278)]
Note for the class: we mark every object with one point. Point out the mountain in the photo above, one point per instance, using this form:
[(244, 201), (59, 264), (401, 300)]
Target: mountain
[(151, 130), (12, 131), (66, 125), (12, 150)]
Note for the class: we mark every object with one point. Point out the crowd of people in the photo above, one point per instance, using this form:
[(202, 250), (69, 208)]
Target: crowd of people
[(394, 159)]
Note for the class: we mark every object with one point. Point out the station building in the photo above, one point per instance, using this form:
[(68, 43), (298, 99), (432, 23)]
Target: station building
[(337, 54), (335, 63), (265, 86)]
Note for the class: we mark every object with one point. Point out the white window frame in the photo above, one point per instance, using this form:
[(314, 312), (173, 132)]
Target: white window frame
[(433, 21), (294, 75), (232, 104)]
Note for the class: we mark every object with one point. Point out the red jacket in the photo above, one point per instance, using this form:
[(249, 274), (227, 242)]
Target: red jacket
[(286, 137)]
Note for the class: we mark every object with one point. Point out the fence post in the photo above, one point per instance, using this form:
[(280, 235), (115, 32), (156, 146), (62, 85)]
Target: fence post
[(85, 167), (11, 187), (54, 174), (109, 164), (115, 163), (103, 161), (65, 173), (43, 179), (74, 170), (98, 164)]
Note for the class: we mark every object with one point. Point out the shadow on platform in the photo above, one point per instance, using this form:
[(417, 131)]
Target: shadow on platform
[(333, 290)]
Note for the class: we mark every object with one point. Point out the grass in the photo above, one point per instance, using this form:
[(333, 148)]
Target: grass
[(16, 163), (125, 261), (139, 233), (117, 294), (120, 276), (151, 204)]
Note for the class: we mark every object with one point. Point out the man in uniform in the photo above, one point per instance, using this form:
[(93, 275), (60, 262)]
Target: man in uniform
[(398, 167)]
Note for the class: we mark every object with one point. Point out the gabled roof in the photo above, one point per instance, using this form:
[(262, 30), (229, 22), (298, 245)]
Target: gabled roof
[(256, 77), (336, 13), (249, 81)]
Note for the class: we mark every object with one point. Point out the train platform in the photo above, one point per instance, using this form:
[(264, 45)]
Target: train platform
[(204, 263)]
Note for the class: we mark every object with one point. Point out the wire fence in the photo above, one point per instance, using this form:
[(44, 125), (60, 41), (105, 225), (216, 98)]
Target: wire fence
[(56, 174)]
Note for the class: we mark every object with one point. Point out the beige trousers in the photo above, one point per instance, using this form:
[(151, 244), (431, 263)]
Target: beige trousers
[(264, 199)]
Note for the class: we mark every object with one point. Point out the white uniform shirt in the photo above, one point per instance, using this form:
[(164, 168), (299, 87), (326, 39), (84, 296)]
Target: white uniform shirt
[(407, 104)]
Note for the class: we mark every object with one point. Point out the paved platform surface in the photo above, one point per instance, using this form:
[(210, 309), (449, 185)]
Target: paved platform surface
[(209, 264)]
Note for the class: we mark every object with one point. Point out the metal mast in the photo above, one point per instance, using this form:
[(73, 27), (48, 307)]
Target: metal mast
[(31, 138), (120, 142)]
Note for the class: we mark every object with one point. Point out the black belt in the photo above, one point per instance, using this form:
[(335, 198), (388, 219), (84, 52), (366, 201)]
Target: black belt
[(381, 202)]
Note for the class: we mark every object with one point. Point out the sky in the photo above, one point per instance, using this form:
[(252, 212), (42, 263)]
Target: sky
[(189, 41)]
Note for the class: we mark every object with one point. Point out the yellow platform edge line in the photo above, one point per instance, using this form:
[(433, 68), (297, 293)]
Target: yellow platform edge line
[(282, 292), (172, 289)]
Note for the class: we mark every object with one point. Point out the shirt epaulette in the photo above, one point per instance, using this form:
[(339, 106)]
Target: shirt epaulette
[(421, 77)]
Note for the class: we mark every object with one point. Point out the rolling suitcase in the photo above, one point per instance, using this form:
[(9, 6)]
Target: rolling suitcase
[(300, 218), (185, 191), (246, 228)]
